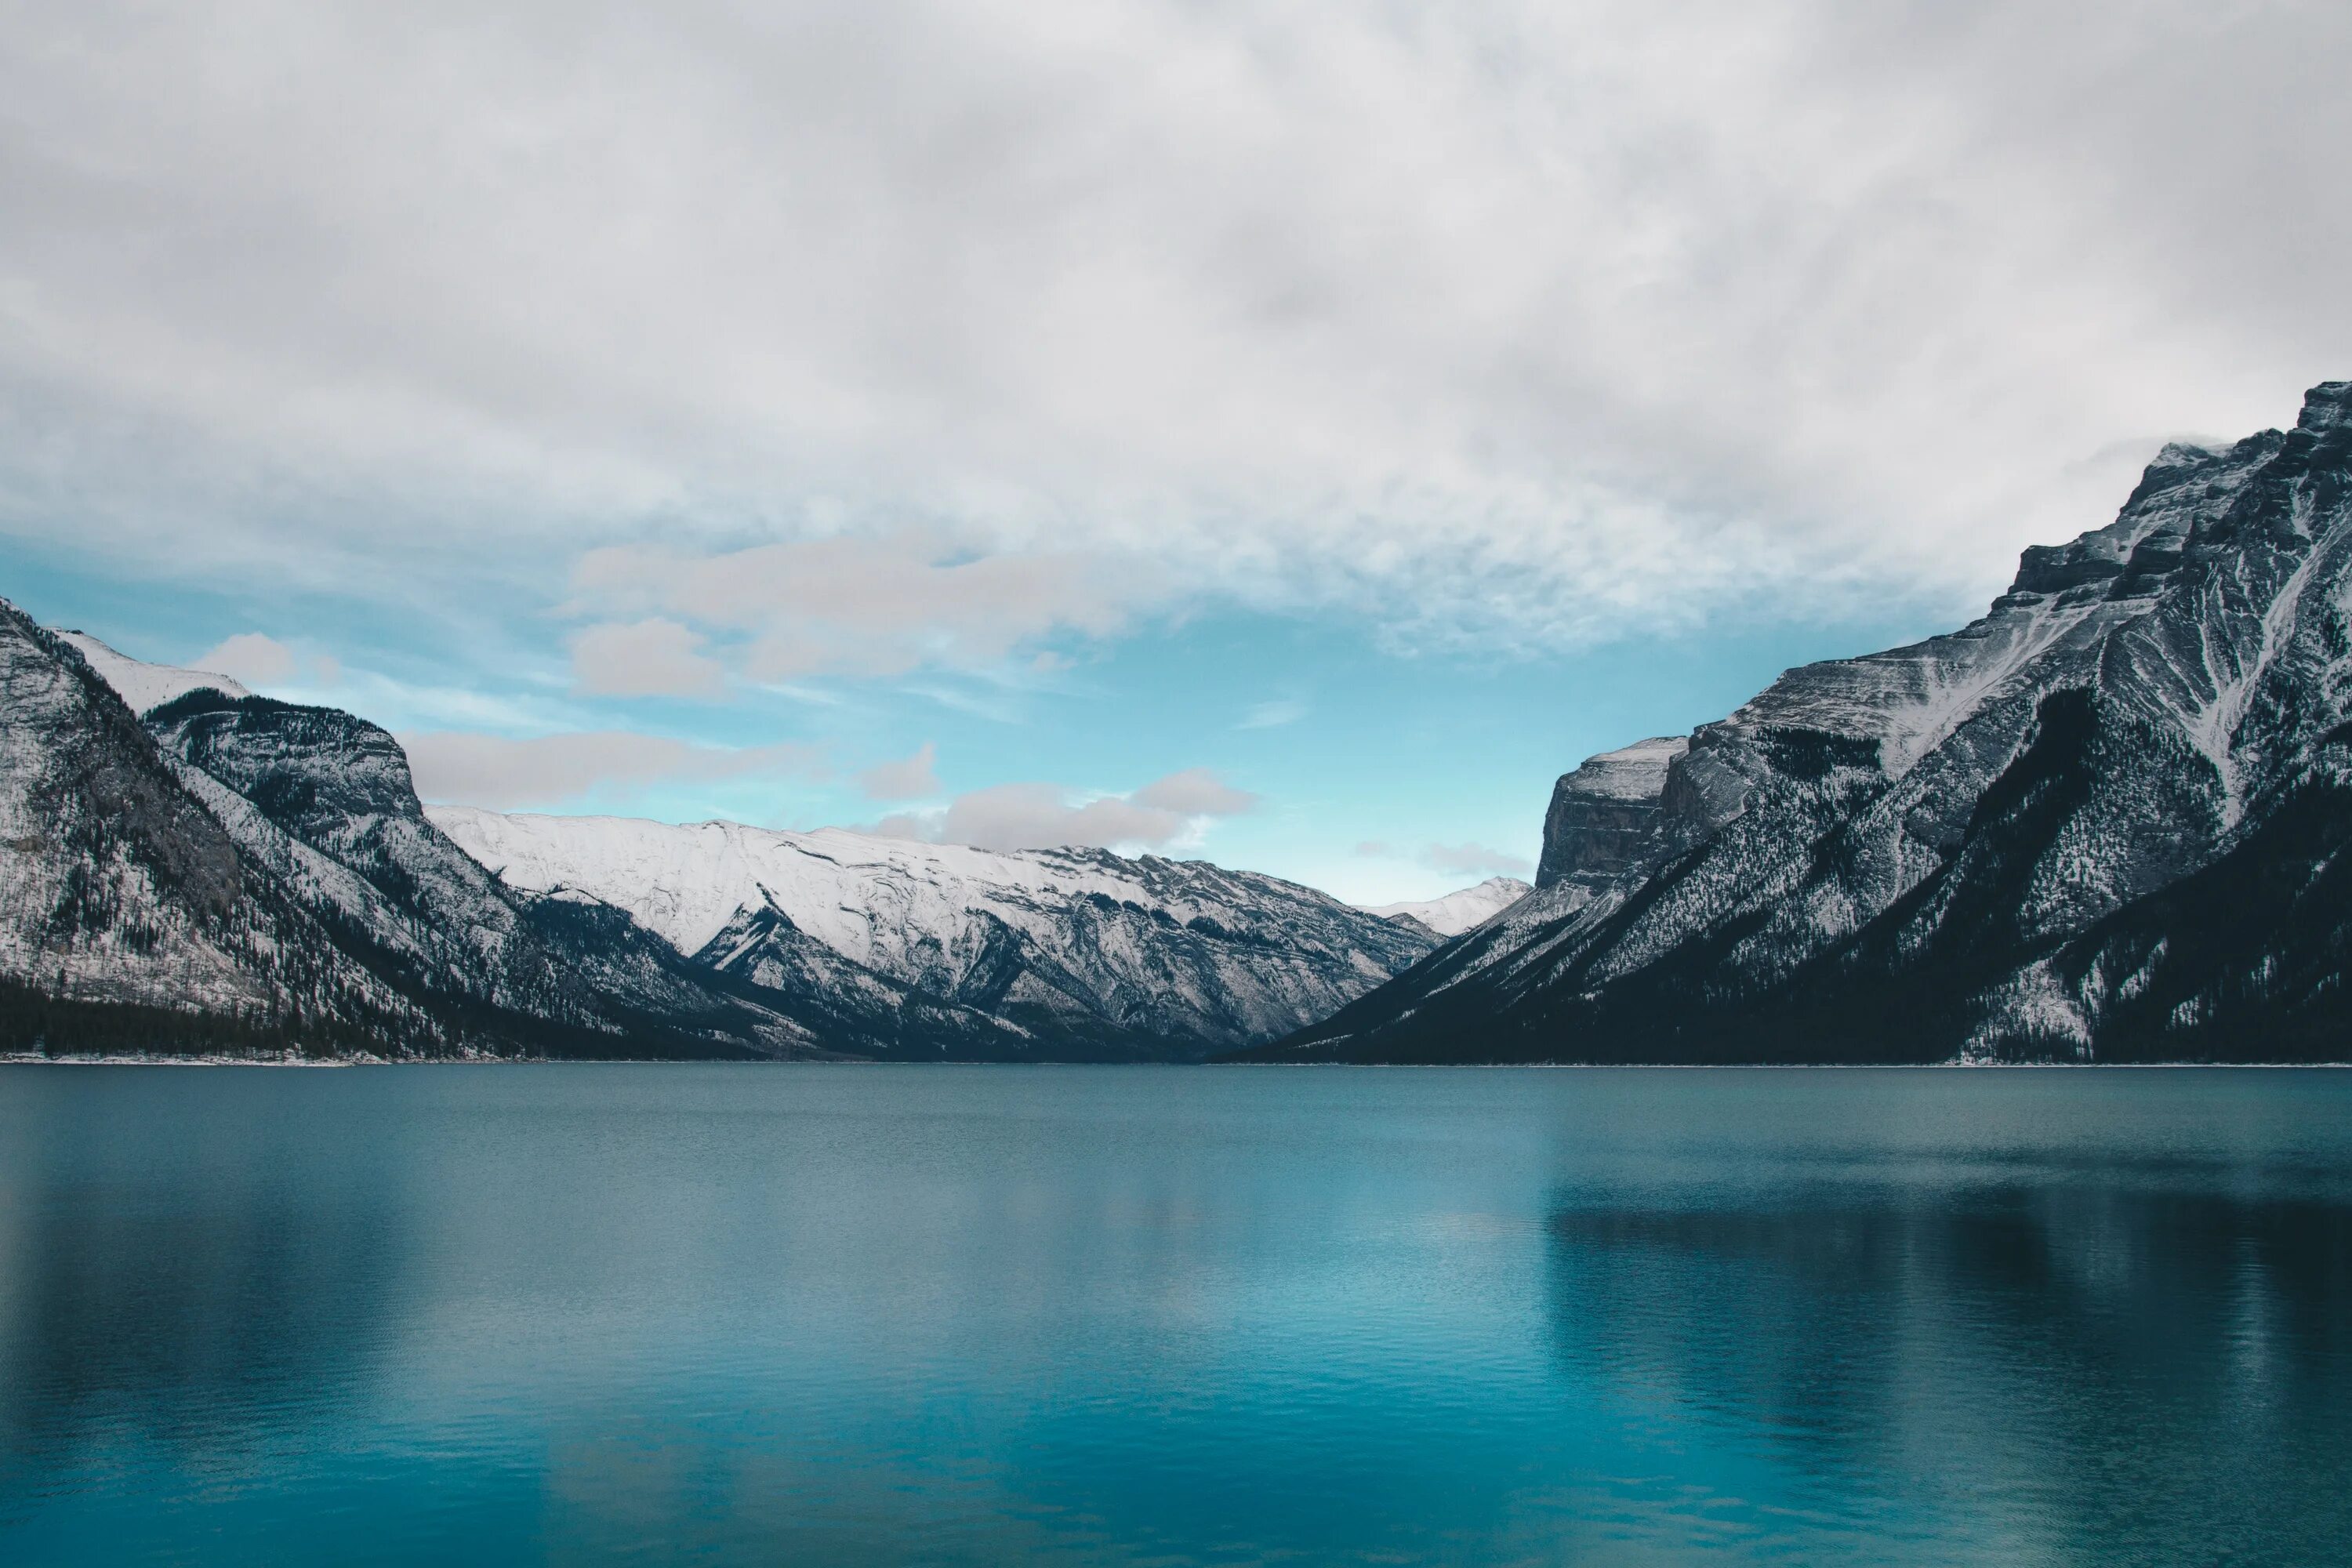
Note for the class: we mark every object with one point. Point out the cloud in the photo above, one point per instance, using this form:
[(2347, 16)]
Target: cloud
[(1375, 849), (504, 773), (1273, 715), (1047, 816), (251, 658), (1196, 792), (262, 661), (1495, 319), (1476, 859), (644, 658), (907, 778), (847, 606)]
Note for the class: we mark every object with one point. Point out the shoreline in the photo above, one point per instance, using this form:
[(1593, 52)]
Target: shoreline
[(32, 1058)]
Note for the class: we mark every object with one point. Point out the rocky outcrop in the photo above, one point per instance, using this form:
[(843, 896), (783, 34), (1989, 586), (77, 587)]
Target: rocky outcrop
[(1605, 818), (2012, 841)]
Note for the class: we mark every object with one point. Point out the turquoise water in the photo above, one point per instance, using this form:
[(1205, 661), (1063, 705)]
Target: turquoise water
[(810, 1315)]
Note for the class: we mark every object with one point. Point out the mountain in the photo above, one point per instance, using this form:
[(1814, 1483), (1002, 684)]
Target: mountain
[(1458, 911), (1094, 954), (143, 686), (234, 873), (2103, 821), (130, 912), (190, 866)]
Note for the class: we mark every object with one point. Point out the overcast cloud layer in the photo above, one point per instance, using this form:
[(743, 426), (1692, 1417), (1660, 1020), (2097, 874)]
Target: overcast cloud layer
[(713, 406), (1511, 322)]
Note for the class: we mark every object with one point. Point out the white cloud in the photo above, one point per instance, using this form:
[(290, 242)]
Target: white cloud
[(261, 661), (1196, 792), (1166, 812), (652, 657), (862, 605), (250, 657), (906, 778), (1501, 318), (1477, 860), (504, 772)]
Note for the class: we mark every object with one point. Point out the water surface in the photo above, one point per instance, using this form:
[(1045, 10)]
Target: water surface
[(739, 1314)]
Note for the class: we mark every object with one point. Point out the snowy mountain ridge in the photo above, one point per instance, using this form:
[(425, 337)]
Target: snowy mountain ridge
[(2104, 821), (142, 685), (1083, 937), (216, 866), (1458, 911)]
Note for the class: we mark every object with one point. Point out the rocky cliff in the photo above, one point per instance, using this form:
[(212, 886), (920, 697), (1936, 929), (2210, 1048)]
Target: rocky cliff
[(2101, 823)]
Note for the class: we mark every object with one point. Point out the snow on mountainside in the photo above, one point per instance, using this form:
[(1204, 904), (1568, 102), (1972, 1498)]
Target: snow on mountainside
[(2019, 839), (315, 809), (1458, 911), (605, 937), (142, 685), (1134, 954), (132, 914)]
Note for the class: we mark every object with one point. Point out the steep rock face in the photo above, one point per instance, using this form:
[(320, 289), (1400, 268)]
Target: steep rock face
[(1982, 845), (1604, 821), (1085, 952)]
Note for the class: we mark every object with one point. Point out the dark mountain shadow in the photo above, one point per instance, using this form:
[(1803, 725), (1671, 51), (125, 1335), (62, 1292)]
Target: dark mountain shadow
[(2050, 1363)]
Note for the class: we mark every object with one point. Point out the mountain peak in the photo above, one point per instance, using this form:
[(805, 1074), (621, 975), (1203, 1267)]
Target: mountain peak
[(1458, 911), (2111, 820), (2327, 406)]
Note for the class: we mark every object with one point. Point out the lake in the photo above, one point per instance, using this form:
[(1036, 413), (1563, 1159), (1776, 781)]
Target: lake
[(852, 1315)]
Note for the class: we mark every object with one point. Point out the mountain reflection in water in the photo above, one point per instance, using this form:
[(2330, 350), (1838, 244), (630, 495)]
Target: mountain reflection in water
[(2090, 1361)]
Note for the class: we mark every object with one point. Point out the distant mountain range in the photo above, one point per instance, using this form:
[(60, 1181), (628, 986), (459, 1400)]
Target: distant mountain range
[(187, 866), (2106, 821), (1457, 912)]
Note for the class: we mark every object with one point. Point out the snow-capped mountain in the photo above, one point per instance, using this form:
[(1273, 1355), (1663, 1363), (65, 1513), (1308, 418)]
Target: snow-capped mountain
[(1458, 911), (130, 912), (142, 685), (212, 869), (332, 918), (2103, 822), (1105, 954)]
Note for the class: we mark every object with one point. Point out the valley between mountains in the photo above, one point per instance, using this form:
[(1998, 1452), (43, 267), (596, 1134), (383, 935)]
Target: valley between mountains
[(2106, 822)]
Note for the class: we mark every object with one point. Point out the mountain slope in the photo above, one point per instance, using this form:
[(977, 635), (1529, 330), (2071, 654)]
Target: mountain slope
[(1458, 911), (605, 937), (130, 915), (1091, 952), (2010, 841), (318, 812)]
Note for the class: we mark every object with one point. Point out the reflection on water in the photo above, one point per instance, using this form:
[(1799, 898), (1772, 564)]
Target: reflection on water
[(162, 1284), (2084, 1364), (749, 1315)]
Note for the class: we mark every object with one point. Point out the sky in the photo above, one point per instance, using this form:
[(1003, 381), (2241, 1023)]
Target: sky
[(1289, 434)]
